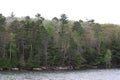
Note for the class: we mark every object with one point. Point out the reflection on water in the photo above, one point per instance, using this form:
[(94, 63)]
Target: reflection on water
[(104, 74)]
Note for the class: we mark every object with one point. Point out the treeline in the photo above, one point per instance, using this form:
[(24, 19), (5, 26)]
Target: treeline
[(36, 42)]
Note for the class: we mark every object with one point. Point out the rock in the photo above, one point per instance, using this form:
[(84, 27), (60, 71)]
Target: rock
[(1, 69), (37, 69), (62, 68), (15, 69), (43, 68)]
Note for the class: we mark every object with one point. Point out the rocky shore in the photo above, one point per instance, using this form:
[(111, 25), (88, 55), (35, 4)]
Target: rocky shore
[(36, 69), (58, 68), (47, 68)]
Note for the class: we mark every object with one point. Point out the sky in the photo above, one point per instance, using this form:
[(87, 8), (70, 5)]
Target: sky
[(102, 11)]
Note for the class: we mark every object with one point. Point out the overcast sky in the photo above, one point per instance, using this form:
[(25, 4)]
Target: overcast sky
[(103, 11)]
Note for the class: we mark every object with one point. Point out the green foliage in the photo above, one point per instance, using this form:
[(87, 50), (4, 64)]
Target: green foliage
[(13, 51), (2, 20), (108, 58), (5, 63), (36, 42), (63, 18), (77, 27)]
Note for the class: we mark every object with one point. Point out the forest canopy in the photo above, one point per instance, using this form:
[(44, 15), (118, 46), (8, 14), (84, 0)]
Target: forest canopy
[(35, 42)]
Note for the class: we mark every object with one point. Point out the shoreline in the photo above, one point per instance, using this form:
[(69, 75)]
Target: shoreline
[(58, 68)]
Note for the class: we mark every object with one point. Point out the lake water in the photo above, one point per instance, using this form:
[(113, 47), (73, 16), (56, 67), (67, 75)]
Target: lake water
[(98, 74)]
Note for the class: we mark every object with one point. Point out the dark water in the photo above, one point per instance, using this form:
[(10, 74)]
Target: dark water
[(98, 74)]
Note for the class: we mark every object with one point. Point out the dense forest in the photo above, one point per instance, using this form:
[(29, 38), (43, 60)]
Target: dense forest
[(37, 42)]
